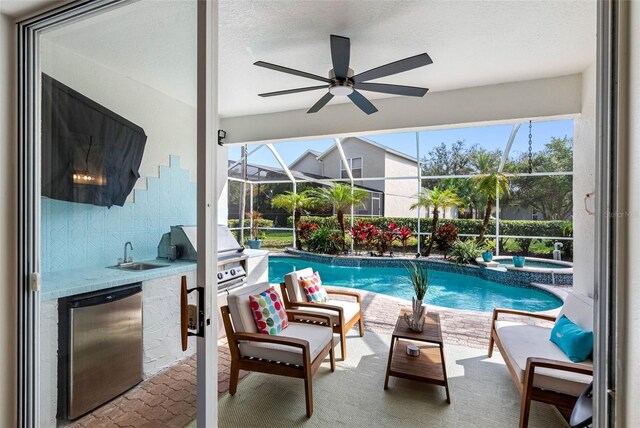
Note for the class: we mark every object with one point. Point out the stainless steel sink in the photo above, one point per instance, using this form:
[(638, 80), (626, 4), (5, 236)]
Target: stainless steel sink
[(137, 266)]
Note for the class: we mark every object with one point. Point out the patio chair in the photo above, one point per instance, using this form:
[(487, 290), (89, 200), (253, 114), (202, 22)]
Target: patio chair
[(539, 368), (297, 351), (344, 314)]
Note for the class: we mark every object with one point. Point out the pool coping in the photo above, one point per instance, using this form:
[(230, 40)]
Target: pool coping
[(524, 279)]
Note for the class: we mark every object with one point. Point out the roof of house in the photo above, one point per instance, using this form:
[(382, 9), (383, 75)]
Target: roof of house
[(308, 151), (372, 143)]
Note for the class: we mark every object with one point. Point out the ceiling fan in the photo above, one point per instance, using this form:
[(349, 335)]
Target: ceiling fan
[(342, 81)]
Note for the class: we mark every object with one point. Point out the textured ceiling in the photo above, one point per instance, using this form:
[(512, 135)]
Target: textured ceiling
[(150, 41), (472, 43)]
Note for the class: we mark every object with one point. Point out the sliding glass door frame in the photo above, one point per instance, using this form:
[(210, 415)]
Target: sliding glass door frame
[(29, 210)]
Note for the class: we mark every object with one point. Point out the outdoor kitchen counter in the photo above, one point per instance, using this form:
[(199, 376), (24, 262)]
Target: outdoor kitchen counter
[(56, 285)]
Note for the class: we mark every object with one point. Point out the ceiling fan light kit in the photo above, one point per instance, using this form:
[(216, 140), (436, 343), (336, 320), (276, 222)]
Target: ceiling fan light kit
[(342, 81)]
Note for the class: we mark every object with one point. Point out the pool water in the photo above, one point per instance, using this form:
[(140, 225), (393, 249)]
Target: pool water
[(451, 290), (534, 264)]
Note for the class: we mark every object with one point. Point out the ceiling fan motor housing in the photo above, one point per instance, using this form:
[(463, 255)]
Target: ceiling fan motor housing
[(341, 87)]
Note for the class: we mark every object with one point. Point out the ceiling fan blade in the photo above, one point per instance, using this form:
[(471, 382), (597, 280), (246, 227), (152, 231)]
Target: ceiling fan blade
[(394, 68), (293, 91), (340, 54), (291, 71), (410, 91), (321, 103), (362, 103)]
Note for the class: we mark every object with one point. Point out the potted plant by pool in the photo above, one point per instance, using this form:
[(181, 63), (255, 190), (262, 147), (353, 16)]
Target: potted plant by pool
[(419, 280), (487, 256), (255, 242), (518, 261)]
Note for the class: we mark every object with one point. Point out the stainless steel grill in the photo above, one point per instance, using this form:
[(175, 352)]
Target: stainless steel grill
[(182, 243)]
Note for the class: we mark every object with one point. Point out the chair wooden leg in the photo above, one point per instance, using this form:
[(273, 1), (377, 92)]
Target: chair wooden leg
[(525, 406), (332, 357), (490, 352), (308, 393), (233, 378), (361, 326), (343, 344)]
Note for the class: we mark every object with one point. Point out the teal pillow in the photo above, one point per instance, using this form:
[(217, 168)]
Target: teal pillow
[(575, 342)]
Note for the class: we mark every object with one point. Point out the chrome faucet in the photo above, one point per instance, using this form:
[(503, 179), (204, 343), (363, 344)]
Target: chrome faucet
[(127, 259)]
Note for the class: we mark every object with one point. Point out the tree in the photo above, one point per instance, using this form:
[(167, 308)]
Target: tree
[(550, 195), (455, 160), (435, 199), (296, 203), (340, 197), (487, 184)]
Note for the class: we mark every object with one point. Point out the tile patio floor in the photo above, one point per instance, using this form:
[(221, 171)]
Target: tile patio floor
[(169, 398)]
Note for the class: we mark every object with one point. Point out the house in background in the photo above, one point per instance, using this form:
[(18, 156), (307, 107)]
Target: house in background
[(368, 159)]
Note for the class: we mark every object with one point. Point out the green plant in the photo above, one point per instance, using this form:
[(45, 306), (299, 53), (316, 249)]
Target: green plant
[(523, 245), (295, 202), (445, 236), (325, 241), (488, 184), (255, 217), (489, 245), (435, 200), (419, 276), (466, 226), (568, 245), (263, 223), (465, 252), (340, 197)]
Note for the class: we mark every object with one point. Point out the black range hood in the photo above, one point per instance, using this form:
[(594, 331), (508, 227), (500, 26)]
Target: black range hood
[(90, 154)]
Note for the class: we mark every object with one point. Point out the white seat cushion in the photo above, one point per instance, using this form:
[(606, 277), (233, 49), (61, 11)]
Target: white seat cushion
[(317, 336), (521, 341), (349, 309)]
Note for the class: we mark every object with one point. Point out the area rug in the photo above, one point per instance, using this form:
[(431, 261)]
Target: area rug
[(482, 395)]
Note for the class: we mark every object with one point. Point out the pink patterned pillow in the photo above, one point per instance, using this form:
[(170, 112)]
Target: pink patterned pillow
[(268, 311), (312, 286)]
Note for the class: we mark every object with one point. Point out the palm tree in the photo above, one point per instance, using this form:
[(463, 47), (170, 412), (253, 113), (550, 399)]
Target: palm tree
[(436, 199), (340, 197), (488, 184), (296, 203)]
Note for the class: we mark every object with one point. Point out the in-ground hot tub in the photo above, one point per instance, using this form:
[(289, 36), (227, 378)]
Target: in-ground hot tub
[(555, 271)]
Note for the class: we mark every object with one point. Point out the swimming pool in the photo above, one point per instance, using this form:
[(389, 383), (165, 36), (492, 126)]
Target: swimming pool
[(448, 289)]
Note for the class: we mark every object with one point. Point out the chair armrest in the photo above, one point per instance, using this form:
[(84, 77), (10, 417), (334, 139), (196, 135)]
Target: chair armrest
[(345, 293), (498, 311), (278, 340), (337, 309), (534, 362), (291, 316)]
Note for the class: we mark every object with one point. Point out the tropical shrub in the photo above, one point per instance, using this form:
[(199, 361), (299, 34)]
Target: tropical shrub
[(363, 234), (466, 226), (262, 223), (255, 217), (325, 240), (445, 236), (523, 245), (465, 252), (404, 234), (305, 229), (385, 237)]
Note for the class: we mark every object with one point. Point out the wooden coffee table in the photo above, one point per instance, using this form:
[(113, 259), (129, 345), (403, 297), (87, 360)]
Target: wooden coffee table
[(429, 366)]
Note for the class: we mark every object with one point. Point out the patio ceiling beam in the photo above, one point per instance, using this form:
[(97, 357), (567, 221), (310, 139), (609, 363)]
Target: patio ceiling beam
[(505, 154), (504, 103)]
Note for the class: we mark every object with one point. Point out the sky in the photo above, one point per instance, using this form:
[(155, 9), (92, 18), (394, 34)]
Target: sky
[(489, 137)]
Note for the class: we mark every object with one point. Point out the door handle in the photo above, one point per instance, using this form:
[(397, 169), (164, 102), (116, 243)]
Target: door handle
[(184, 313)]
